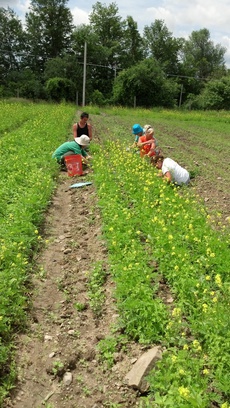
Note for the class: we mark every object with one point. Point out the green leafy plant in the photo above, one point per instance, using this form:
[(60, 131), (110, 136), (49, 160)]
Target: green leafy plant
[(95, 288), (57, 367)]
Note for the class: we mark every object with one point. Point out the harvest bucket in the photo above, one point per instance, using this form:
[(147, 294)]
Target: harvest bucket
[(74, 164)]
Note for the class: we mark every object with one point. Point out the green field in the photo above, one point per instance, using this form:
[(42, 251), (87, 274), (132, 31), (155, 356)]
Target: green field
[(153, 232)]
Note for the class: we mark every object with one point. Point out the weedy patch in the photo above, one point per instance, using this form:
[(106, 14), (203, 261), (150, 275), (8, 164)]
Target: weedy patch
[(96, 291)]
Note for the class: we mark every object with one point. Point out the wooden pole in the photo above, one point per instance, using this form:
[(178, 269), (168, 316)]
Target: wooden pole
[(84, 75), (181, 91)]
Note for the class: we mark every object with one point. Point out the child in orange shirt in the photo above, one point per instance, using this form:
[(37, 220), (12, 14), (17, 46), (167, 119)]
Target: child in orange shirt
[(148, 143)]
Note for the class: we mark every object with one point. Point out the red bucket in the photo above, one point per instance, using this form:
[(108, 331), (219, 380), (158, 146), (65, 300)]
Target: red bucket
[(74, 165)]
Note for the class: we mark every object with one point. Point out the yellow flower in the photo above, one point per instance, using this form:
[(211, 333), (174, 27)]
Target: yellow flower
[(196, 343), (218, 280), (185, 347), (205, 371), (184, 392), (174, 358), (176, 312), (181, 372), (208, 278)]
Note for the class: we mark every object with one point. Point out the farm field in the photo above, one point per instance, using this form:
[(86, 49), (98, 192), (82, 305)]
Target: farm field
[(124, 264)]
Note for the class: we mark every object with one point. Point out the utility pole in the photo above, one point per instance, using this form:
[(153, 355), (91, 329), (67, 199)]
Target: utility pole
[(181, 92), (84, 75), (134, 101)]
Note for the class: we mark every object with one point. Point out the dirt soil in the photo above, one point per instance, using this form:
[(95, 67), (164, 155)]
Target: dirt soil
[(60, 339), (57, 358)]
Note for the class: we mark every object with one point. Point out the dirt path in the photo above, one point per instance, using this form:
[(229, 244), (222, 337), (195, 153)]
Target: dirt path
[(58, 362)]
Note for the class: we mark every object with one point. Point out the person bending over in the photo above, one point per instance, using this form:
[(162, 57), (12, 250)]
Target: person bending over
[(148, 143), (171, 170), (77, 146)]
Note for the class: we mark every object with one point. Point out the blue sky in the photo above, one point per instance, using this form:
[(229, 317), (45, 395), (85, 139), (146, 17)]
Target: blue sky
[(180, 16)]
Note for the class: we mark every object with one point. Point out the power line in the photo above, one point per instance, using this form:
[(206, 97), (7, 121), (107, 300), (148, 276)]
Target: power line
[(185, 76)]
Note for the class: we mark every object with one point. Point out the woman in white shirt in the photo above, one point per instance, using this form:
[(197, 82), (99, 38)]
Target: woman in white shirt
[(171, 170)]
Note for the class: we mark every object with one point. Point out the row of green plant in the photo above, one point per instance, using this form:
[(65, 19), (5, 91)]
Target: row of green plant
[(12, 115), (199, 141), (156, 232), (28, 179)]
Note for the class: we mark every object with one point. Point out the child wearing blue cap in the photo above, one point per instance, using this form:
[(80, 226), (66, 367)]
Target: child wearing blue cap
[(139, 131)]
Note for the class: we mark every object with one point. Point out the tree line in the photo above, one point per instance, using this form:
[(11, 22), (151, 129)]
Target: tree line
[(44, 59)]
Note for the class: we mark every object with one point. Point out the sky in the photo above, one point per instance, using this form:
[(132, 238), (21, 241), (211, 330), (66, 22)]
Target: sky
[(180, 16)]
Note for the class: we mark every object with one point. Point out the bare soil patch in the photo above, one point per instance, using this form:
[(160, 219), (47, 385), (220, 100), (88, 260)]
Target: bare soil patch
[(60, 339)]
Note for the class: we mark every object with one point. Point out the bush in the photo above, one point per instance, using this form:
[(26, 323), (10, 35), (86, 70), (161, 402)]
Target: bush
[(59, 89)]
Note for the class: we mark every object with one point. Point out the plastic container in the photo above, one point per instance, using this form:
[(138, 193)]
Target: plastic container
[(74, 165)]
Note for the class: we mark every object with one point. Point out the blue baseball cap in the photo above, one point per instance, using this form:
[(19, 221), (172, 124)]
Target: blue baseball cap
[(137, 129)]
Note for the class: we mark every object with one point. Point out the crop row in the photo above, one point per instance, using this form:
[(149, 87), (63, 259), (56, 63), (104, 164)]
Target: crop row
[(161, 246), (26, 185)]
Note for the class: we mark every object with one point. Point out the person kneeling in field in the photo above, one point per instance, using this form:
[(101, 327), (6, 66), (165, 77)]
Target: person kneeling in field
[(148, 143), (77, 146), (171, 170)]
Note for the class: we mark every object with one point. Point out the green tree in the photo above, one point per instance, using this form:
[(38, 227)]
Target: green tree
[(132, 51), (147, 84), (216, 95), (108, 29), (96, 59), (49, 27), (12, 40), (161, 45), (107, 25), (24, 84), (97, 98), (200, 57), (201, 60), (59, 89)]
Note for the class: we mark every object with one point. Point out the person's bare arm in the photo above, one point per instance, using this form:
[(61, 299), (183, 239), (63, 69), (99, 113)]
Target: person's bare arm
[(168, 176), (75, 130), (152, 149), (90, 131), (140, 144)]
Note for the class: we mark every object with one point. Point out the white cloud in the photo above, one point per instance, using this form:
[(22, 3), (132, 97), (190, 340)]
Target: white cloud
[(79, 16), (8, 3)]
